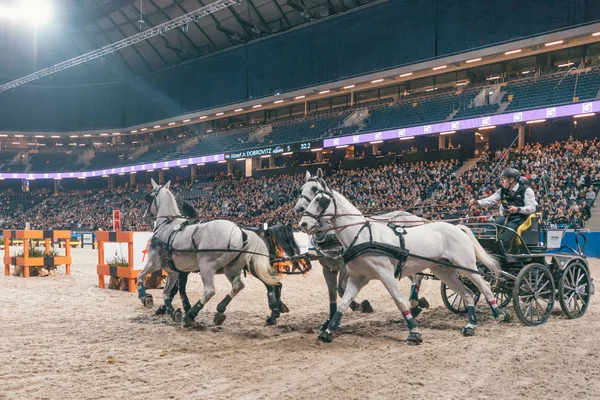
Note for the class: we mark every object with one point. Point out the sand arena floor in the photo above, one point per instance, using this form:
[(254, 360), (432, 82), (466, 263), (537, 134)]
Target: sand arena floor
[(63, 338)]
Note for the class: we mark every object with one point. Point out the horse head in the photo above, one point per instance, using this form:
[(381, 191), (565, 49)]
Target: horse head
[(312, 184)]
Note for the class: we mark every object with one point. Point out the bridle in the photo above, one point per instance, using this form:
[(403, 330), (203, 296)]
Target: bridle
[(324, 203)]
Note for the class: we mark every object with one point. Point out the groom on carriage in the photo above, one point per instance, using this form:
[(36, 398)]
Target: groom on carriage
[(517, 202)]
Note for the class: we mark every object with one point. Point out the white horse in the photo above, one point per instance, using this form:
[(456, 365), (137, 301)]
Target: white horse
[(177, 246), (376, 256), (328, 248)]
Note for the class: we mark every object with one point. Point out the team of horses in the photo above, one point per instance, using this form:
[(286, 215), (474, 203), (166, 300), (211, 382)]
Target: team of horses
[(353, 250)]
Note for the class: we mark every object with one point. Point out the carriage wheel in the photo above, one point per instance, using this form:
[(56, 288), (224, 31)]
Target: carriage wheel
[(574, 290), (533, 294), (453, 301)]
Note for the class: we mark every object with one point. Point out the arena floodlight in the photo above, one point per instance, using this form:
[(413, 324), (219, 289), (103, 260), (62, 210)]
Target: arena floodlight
[(185, 19), (508, 53)]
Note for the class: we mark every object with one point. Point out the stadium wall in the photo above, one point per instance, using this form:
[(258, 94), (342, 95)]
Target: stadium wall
[(379, 37)]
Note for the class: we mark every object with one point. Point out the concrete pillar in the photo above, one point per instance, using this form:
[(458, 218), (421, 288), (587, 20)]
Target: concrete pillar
[(248, 167), (161, 176), (376, 147), (521, 136), (229, 167), (271, 162), (194, 172), (350, 152), (55, 186), (131, 179), (320, 156)]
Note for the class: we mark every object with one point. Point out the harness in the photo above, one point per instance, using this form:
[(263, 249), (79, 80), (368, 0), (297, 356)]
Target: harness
[(356, 250), (301, 263)]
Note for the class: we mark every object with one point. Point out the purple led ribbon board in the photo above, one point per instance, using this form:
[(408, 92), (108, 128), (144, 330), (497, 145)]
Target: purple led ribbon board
[(115, 171), (473, 123)]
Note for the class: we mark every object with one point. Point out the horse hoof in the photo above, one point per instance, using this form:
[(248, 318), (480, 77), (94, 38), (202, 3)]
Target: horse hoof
[(505, 316), (219, 318), (468, 331), (148, 301), (326, 337), (366, 307), (271, 321), (414, 339), (284, 308), (188, 322), (415, 311), (177, 316), (423, 303), (161, 310)]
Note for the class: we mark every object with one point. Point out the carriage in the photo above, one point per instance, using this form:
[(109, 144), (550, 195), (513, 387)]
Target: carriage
[(533, 278)]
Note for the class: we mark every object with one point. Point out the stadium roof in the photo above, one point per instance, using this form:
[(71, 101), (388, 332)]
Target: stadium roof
[(79, 26)]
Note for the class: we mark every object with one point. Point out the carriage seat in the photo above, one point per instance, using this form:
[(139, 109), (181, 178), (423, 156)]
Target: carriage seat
[(530, 230)]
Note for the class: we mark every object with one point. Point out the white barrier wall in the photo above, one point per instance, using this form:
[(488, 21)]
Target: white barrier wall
[(140, 250)]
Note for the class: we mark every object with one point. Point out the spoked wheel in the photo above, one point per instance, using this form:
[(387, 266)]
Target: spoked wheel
[(574, 290), (533, 294), (453, 301)]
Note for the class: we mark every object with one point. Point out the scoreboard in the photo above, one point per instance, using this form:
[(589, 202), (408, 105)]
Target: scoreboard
[(284, 149)]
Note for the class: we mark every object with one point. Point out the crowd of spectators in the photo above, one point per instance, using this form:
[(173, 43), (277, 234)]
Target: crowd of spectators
[(562, 176)]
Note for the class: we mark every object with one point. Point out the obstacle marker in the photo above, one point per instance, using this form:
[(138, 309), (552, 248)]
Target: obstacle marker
[(26, 262), (129, 245)]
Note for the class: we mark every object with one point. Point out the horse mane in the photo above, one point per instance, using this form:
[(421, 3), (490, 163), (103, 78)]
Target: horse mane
[(187, 210), (283, 235)]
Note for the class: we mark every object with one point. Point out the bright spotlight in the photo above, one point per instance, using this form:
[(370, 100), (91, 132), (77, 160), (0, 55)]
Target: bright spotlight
[(35, 12)]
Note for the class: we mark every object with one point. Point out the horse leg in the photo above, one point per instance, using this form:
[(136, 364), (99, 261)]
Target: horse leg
[(236, 286), (386, 276), (151, 266), (331, 278), (209, 291), (355, 284), (183, 278), (275, 304), (416, 304), (451, 279), (364, 306), (484, 287), (171, 288), (169, 293)]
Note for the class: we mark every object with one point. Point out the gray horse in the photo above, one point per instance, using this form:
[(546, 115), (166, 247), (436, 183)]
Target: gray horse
[(329, 250), (178, 246)]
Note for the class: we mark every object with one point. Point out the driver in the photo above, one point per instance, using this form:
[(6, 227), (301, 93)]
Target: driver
[(517, 200)]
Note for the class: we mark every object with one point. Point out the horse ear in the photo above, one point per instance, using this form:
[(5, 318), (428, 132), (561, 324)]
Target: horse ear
[(320, 173), (154, 185), (168, 185), (307, 177)]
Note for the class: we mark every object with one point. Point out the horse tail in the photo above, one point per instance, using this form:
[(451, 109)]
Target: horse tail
[(481, 254), (258, 257)]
